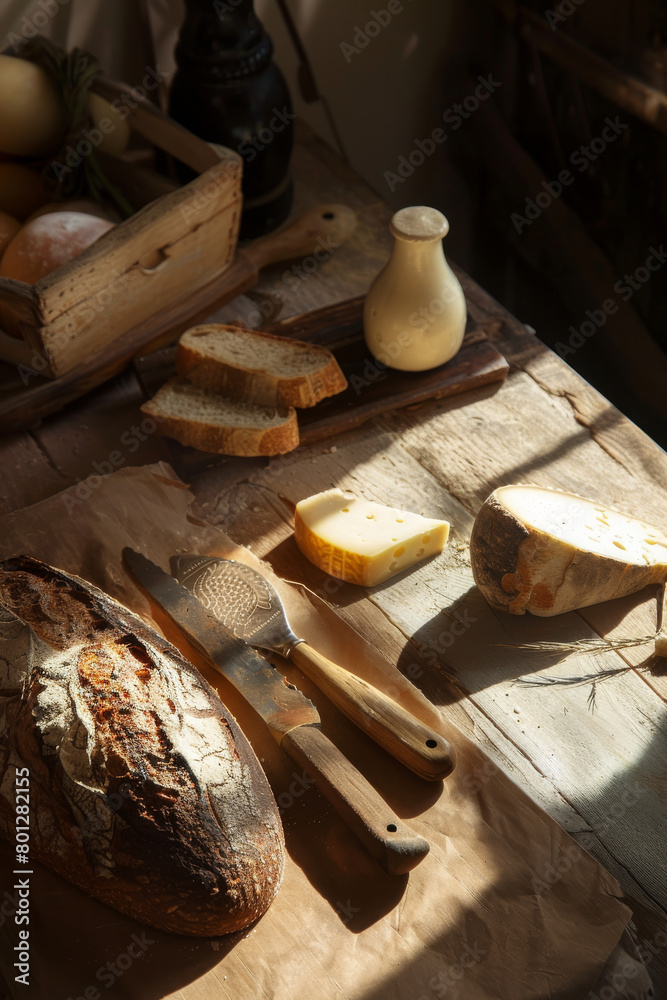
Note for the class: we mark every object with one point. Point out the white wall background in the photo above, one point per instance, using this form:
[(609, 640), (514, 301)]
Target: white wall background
[(385, 96)]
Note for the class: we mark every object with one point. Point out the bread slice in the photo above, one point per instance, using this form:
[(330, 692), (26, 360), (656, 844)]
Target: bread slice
[(258, 367), (208, 421)]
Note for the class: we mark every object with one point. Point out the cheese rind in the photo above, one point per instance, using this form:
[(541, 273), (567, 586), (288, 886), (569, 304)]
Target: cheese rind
[(363, 542)]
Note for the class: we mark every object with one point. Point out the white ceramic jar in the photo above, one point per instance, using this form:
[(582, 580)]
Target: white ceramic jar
[(415, 310)]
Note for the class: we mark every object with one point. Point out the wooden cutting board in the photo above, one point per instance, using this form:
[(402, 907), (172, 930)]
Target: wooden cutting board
[(26, 396), (372, 389)]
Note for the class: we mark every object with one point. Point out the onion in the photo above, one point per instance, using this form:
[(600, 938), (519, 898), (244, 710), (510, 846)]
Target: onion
[(32, 112)]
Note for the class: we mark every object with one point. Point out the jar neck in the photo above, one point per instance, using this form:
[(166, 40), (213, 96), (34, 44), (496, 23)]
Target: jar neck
[(418, 256)]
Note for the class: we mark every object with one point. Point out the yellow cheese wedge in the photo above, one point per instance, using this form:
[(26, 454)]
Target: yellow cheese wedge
[(364, 542)]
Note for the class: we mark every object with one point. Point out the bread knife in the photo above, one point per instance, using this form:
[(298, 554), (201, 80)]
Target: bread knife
[(249, 606), (292, 720)]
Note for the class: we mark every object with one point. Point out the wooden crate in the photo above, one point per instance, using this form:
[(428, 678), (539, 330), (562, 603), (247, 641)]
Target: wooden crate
[(180, 241)]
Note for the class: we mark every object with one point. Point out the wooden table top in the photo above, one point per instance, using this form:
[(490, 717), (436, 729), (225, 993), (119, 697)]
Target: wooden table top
[(588, 741)]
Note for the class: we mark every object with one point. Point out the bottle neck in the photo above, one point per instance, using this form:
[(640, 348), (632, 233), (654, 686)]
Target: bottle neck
[(222, 42)]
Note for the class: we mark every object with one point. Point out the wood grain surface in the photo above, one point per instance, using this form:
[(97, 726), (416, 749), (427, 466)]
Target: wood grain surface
[(584, 736)]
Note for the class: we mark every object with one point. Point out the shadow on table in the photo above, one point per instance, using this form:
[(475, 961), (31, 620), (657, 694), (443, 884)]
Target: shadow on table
[(81, 948), (78, 944), (627, 812), (477, 647)]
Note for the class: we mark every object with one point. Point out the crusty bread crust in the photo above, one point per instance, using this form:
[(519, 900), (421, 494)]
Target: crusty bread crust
[(260, 384), (244, 441), (143, 790)]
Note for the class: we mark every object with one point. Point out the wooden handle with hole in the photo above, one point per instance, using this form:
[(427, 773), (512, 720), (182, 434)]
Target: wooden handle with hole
[(391, 842), (316, 233), (405, 737)]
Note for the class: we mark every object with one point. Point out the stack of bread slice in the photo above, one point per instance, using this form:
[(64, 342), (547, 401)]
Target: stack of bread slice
[(237, 390)]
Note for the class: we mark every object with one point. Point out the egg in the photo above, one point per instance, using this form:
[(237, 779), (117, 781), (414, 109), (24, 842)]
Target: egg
[(21, 190), (116, 131), (33, 120), (48, 242)]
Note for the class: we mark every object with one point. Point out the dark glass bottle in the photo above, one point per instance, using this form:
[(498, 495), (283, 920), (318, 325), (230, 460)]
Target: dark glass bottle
[(228, 90)]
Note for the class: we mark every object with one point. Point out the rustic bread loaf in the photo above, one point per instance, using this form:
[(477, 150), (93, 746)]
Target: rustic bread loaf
[(258, 367), (211, 422), (143, 790), (87, 206), (49, 241)]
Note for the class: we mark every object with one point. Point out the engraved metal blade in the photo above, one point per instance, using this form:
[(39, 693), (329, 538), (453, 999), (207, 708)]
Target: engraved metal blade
[(240, 597), (278, 702)]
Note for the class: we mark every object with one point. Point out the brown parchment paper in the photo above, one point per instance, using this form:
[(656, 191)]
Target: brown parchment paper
[(506, 905)]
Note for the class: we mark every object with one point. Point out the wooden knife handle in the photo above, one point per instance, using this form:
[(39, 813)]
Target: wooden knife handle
[(405, 737), (318, 232), (393, 844)]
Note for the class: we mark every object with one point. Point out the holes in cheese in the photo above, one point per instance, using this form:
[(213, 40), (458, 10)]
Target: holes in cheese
[(548, 552), (356, 540)]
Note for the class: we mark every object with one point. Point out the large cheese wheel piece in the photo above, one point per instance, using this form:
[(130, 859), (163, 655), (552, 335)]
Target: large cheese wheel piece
[(364, 542), (32, 111), (549, 552), (48, 242)]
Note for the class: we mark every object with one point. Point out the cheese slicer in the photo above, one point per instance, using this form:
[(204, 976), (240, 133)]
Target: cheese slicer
[(248, 605)]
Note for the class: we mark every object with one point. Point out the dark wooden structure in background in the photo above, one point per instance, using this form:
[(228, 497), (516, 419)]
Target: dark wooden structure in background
[(568, 71)]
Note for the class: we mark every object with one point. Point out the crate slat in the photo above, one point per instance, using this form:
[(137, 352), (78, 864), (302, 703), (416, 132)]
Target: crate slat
[(130, 297), (176, 244)]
